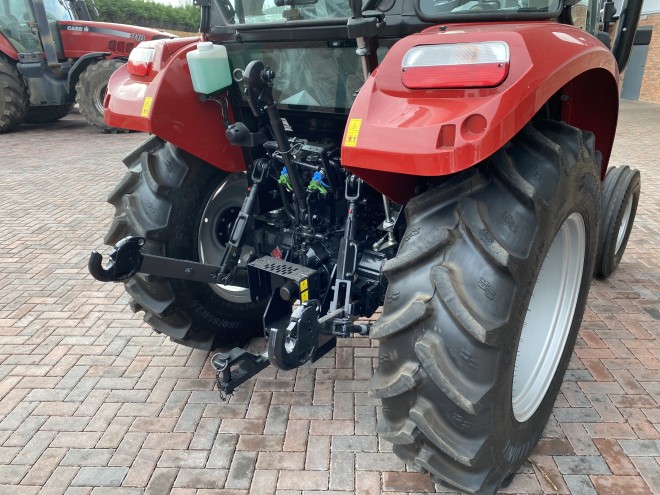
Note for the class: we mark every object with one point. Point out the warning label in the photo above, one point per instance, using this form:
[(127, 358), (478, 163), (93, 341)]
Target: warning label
[(146, 106), (304, 293), (353, 132)]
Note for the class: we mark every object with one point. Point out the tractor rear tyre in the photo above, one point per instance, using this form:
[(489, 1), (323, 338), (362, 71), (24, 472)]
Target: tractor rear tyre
[(484, 303), (14, 98), (91, 89), (185, 209), (47, 115), (621, 190)]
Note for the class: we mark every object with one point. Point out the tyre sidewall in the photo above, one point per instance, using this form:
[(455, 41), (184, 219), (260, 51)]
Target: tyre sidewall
[(206, 308), (12, 112), (94, 77), (523, 436), (454, 336), (201, 301), (615, 208)]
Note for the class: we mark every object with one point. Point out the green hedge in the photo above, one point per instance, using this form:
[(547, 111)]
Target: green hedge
[(149, 14)]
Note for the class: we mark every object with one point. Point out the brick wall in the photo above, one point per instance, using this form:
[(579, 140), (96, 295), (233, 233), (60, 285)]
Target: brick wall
[(651, 82)]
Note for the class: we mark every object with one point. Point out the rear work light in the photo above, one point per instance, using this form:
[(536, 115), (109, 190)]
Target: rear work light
[(458, 65), (141, 61)]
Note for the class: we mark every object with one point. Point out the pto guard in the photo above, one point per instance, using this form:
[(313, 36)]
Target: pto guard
[(434, 132), (164, 103)]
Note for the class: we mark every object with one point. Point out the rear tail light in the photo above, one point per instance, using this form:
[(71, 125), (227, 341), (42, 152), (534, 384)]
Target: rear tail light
[(141, 61), (458, 65)]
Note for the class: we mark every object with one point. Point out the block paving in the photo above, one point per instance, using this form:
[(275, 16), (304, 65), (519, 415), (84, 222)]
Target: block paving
[(93, 401)]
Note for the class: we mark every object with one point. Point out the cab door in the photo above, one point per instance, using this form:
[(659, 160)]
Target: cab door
[(17, 24)]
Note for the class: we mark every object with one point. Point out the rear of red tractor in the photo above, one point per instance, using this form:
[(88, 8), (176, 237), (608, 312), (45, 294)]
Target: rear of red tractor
[(441, 159)]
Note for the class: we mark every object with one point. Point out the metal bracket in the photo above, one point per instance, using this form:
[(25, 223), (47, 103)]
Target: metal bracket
[(302, 338), (125, 261), (232, 252), (245, 364)]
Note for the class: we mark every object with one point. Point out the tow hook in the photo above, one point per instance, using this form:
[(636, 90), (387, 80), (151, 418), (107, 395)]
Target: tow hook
[(125, 261)]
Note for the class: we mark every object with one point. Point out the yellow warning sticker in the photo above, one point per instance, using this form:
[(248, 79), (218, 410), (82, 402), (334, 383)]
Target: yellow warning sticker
[(303, 285), (146, 106), (353, 132), (304, 296)]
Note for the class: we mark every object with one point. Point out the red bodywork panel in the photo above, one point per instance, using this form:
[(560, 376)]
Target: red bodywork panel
[(82, 37), (164, 103), (7, 48), (440, 132), (403, 134)]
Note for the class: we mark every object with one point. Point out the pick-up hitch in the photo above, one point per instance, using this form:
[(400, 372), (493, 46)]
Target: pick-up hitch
[(237, 366), (246, 366), (293, 339)]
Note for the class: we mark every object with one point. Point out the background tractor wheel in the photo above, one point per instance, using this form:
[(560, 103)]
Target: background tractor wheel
[(484, 303), (621, 190), (14, 98), (91, 89), (185, 209), (47, 115)]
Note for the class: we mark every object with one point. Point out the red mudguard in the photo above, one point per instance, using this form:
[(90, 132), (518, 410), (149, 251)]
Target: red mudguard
[(7, 48), (397, 134), (393, 130), (165, 104)]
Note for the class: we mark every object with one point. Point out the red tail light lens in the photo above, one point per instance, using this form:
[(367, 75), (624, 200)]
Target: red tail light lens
[(141, 61), (458, 65)]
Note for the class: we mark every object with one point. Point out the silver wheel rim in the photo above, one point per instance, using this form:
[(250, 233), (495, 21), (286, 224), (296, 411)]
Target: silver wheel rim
[(549, 318), (99, 96), (624, 224), (210, 246)]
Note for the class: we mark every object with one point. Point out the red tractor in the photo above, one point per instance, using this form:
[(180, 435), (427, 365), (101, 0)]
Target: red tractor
[(52, 55), (444, 159)]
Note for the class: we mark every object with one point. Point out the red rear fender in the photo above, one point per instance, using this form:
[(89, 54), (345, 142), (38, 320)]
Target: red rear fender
[(164, 103), (7, 48), (439, 132)]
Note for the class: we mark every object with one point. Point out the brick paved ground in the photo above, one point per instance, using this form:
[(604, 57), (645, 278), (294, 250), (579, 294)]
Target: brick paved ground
[(93, 401)]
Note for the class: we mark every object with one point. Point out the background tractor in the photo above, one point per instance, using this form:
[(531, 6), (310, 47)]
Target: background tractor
[(52, 55), (444, 159)]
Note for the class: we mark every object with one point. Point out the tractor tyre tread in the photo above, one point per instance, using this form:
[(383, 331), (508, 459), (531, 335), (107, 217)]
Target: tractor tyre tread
[(90, 85), (472, 247), (620, 185), (161, 198), (14, 96)]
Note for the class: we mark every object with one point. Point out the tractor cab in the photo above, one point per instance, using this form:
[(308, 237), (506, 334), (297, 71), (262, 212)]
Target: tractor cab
[(33, 26), (312, 44)]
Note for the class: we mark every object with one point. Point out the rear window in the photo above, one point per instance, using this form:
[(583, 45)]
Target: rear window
[(448, 10)]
